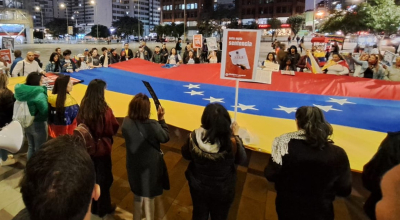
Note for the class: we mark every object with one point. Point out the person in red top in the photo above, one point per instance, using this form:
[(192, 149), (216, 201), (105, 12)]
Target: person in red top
[(98, 116)]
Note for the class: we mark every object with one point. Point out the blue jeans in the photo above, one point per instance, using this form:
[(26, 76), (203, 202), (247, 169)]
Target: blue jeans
[(36, 135)]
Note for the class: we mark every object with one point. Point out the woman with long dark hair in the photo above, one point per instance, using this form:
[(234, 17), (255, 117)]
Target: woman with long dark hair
[(214, 149), (308, 169), (191, 58), (145, 163), (35, 95), (63, 108), (174, 58), (54, 65), (6, 109), (99, 118)]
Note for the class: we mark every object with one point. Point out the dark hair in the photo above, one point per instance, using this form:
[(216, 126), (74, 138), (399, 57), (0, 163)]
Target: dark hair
[(60, 88), (66, 53), (176, 52), (217, 122), (59, 180), (52, 57), (57, 49), (126, 44), (292, 47), (33, 79), (139, 107), (273, 55), (340, 56), (3, 81), (93, 106), (312, 120), (17, 53), (103, 49), (283, 63)]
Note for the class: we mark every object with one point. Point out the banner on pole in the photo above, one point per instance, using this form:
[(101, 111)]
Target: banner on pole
[(5, 54), (212, 43), (240, 54), (197, 41), (7, 43), (70, 30)]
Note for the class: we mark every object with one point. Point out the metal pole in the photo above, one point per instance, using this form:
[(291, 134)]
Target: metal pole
[(184, 21), (138, 22), (97, 21), (41, 16), (313, 20)]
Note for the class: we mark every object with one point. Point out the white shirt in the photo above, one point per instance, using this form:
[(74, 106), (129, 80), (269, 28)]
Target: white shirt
[(25, 70), (190, 61), (213, 60), (105, 64), (172, 59)]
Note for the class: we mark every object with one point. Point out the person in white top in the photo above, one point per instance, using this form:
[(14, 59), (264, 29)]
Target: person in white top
[(174, 58), (81, 64), (213, 57), (26, 66)]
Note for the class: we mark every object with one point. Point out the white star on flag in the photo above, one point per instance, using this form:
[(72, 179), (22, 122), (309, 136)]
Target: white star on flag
[(340, 101), (195, 93), (246, 107), (212, 99), (192, 86), (286, 109), (327, 108)]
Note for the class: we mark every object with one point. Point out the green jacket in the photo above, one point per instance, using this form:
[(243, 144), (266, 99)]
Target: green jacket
[(36, 97)]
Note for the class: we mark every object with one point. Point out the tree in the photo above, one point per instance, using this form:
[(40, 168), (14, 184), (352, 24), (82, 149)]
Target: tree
[(275, 23), (381, 16), (100, 31), (160, 30), (234, 24), (126, 26), (179, 29), (57, 27), (206, 28), (347, 22), (296, 23), (253, 25)]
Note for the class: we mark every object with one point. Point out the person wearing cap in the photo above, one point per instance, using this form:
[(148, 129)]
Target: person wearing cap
[(178, 46), (126, 53), (146, 48), (81, 63), (114, 57), (104, 58), (142, 54), (86, 55), (26, 66), (36, 54)]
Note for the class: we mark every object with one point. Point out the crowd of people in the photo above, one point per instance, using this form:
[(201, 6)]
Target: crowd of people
[(366, 65), (307, 168), (63, 181)]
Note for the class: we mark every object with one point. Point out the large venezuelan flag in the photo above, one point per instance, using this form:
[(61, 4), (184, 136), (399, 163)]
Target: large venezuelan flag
[(360, 110)]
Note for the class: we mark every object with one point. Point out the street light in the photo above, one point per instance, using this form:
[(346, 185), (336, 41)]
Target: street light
[(62, 5), (37, 8), (97, 23)]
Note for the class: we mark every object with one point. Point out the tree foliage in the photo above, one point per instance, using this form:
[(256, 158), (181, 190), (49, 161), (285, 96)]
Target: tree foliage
[(275, 23), (57, 27), (101, 30), (296, 22), (347, 22), (206, 27), (381, 16), (126, 26)]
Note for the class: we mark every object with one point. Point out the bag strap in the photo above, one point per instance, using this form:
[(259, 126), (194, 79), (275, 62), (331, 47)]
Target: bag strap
[(149, 142)]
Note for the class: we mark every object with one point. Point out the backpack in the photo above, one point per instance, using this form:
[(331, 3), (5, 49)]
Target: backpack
[(83, 132), (22, 114)]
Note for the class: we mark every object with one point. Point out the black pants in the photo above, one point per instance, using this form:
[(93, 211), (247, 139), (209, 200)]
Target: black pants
[(211, 204), (105, 179)]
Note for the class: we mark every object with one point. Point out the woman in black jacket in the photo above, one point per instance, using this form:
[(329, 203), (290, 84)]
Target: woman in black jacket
[(387, 157), (213, 150), (6, 109), (191, 59), (146, 168), (308, 169)]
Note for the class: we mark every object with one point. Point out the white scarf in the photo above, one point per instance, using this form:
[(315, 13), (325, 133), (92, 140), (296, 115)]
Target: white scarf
[(280, 146)]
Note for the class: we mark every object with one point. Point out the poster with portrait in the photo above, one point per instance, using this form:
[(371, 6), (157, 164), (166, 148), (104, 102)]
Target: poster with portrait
[(197, 41), (240, 55), (7, 43), (212, 43), (5, 55)]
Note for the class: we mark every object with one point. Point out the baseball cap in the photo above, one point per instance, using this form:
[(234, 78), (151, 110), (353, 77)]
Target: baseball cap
[(86, 49)]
